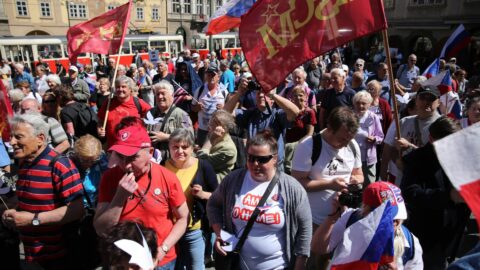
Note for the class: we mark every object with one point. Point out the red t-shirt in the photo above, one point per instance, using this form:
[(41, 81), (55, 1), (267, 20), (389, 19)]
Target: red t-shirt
[(299, 128), (154, 209), (118, 111)]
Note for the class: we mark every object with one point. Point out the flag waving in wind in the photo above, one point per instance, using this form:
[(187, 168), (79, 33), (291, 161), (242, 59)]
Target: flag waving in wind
[(433, 69), (278, 36), (103, 34), (228, 16), (457, 41)]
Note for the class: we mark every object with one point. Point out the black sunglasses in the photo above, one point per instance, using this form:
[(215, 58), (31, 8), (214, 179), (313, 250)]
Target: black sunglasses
[(260, 159)]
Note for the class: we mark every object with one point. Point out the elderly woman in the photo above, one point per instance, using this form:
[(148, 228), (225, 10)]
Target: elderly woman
[(16, 96), (280, 235), (53, 82), (198, 180), (220, 150), (369, 135), (101, 93), (379, 105), (144, 82), (473, 112)]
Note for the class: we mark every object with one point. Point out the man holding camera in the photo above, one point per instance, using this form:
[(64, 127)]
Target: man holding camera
[(337, 165)]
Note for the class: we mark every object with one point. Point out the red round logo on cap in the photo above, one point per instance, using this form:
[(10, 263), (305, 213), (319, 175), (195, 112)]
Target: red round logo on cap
[(124, 135)]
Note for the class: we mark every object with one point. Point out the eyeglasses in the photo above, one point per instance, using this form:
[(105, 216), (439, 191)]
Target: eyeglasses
[(259, 159), (359, 65)]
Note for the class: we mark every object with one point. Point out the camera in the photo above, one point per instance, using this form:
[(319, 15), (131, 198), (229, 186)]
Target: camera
[(253, 85), (352, 198)]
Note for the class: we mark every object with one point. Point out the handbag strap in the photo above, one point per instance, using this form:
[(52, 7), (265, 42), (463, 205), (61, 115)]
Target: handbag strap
[(255, 213), (165, 118)]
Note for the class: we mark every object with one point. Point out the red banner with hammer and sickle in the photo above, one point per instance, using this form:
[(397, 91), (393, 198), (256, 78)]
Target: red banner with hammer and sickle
[(279, 35), (103, 34)]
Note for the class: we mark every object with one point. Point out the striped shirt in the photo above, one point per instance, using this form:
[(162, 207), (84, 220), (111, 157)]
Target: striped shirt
[(39, 189)]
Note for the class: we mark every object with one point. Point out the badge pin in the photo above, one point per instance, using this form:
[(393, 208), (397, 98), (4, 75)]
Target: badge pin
[(157, 191)]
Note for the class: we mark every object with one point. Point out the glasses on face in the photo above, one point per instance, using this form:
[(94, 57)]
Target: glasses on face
[(359, 65), (259, 159)]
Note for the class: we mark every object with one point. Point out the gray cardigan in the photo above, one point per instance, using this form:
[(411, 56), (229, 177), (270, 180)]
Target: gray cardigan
[(298, 217)]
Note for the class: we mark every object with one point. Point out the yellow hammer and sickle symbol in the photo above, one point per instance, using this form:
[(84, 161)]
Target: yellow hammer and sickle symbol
[(107, 33), (333, 13)]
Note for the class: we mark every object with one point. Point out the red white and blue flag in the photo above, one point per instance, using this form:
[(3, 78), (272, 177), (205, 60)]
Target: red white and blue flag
[(457, 41), (459, 154), (373, 239), (433, 69), (443, 81), (228, 16), (456, 110)]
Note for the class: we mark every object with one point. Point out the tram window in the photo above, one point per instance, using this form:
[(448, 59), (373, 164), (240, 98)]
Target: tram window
[(140, 46), (19, 53), (174, 46), (126, 48), (65, 52), (158, 45), (50, 51), (217, 44), (229, 42), (198, 43)]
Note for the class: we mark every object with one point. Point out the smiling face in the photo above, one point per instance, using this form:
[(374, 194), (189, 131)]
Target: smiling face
[(26, 145), (123, 92), (260, 171), (164, 99), (361, 106), (426, 104)]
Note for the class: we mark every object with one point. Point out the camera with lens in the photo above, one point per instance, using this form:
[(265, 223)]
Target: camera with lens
[(253, 85), (353, 197)]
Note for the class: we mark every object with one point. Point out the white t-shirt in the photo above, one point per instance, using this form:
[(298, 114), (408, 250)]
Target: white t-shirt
[(264, 247), (332, 163), (407, 131), (210, 104)]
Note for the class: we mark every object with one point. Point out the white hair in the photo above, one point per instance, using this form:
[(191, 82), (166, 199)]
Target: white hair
[(338, 71), (35, 120), (301, 72), (54, 78), (362, 95), (19, 66), (16, 95), (163, 85)]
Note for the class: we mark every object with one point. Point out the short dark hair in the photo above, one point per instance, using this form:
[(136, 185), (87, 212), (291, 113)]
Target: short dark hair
[(64, 93), (343, 116), (129, 121), (443, 127), (113, 255), (264, 137)]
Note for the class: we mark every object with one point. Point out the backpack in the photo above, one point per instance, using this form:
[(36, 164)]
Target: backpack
[(137, 104), (87, 120), (317, 147)]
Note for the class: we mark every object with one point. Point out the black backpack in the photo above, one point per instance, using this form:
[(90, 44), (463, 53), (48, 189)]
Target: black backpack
[(87, 120), (317, 147)]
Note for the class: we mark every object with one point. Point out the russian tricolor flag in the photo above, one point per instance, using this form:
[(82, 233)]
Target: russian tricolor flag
[(368, 242), (433, 69), (457, 41), (228, 16), (459, 156)]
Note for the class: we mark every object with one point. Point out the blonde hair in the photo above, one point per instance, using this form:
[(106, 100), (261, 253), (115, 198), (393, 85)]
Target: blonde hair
[(87, 146)]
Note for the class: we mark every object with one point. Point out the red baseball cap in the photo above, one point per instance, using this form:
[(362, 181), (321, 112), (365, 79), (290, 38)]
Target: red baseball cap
[(377, 193), (129, 140)]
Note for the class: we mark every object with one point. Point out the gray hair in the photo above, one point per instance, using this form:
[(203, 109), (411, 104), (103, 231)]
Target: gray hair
[(54, 78), (121, 68), (35, 105), (16, 95), (19, 66), (301, 72), (360, 61), (420, 79), (182, 135), (126, 80), (163, 84), (35, 120), (338, 71), (225, 119), (362, 95)]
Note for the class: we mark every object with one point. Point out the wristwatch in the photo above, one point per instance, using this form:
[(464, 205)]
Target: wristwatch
[(35, 220), (164, 248)]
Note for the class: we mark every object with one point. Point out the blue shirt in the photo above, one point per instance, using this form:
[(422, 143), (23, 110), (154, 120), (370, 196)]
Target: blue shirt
[(91, 180), (25, 76), (4, 158), (228, 79)]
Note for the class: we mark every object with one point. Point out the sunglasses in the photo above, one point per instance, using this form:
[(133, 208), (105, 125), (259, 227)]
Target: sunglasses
[(259, 159)]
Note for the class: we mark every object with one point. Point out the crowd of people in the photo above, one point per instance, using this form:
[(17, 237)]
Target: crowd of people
[(192, 160)]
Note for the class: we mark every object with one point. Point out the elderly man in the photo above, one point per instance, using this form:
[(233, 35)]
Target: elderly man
[(339, 95), (407, 73), (81, 91), (141, 190), (227, 78), (382, 77), (49, 193), (299, 77), (122, 105), (163, 119), (57, 138), (263, 115), (163, 73), (21, 75)]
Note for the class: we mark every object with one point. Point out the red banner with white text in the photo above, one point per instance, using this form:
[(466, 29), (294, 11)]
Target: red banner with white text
[(279, 35)]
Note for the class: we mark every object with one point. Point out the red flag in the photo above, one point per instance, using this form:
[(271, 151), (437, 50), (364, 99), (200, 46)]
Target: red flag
[(278, 36), (5, 112), (103, 34)]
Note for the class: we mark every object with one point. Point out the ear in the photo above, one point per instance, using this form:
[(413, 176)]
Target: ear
[(42, 139)]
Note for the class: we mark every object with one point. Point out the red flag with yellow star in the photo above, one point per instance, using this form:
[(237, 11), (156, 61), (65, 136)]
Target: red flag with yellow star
[(103, 34), (278, 36)]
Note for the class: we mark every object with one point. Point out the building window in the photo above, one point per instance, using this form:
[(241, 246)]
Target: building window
[(426, 2), (207, 7), (22, 8), (45, 9), (176, 6), (389, 3), (155, 14), (200, 7), (110, 7), (219, 4), (187, 6), (77, 10), (140, 13)]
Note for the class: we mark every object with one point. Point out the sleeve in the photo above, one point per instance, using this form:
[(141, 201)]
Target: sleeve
[(219, 157), (4, 158), (387, 116), (312, 117), (177, 197), (358, 156), (336, 236), (417, 262), (56, 132), (65, 116), (66, 180), (107, 188), (145, 108), (302, 157), (303, 238), (196, 96), (216, 202), (377, 130), (390, 137), (211, 178)]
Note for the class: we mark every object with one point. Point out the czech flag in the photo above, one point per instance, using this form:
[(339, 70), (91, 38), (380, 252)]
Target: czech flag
[(433, 69), (446, 83), (457, 41), (456, 111), (459, 154), (228, 16), (368, 242)]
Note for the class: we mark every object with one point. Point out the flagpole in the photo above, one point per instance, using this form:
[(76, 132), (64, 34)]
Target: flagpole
[(113, 87), (386, 47)]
